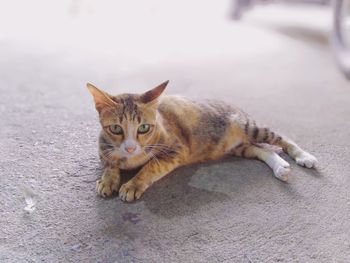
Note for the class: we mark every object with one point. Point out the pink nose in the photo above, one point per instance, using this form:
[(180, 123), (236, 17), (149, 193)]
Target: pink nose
[(130, 149)]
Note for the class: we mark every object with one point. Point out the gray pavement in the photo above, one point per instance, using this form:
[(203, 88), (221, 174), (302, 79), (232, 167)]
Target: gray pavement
[(232, 210)]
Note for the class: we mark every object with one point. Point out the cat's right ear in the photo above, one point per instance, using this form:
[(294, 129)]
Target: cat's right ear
[(101, 98)]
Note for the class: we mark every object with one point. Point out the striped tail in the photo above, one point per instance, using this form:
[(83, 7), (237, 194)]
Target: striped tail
[(258, 134)]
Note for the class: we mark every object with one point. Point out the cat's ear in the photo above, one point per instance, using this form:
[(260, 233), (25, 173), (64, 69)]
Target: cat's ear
[(153, 94), (101, 98)]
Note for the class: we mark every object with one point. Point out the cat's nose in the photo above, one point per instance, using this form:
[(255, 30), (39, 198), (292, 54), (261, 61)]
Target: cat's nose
[(130, 149)]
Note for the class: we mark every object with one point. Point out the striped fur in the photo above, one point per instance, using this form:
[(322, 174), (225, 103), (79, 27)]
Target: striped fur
[(182, 132)]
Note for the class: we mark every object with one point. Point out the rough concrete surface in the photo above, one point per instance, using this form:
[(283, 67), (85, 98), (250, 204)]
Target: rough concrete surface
[(232, 210)]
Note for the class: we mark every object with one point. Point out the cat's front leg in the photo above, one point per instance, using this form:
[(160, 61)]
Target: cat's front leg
[(150, 173), (109, 182)]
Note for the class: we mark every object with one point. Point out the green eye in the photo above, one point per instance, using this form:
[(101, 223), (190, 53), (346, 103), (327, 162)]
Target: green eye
[(143, 128), (116, 129)]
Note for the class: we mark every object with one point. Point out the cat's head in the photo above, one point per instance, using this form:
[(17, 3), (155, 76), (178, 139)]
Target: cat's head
[(128, 120)]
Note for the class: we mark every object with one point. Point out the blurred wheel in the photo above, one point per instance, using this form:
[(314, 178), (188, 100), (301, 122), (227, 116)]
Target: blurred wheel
[(341, 34)]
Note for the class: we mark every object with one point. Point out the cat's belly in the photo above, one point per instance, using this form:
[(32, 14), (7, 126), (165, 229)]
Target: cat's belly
[(213, 148)]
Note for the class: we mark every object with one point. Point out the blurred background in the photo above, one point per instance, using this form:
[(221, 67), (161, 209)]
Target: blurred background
[(122, 38)]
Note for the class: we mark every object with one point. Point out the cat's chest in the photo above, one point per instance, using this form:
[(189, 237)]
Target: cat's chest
[(132, 163)]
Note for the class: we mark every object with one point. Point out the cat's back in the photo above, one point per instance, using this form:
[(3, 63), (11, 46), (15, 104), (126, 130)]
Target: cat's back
[(172, 105), (178, 111), (202, 125), (195, 110)]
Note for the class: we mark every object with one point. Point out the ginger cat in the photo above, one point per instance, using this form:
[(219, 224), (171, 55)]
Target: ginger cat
[(160, 134)]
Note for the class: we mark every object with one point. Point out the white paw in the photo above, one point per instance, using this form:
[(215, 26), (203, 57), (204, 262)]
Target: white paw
[(282, 172), (280, 167), (306, 159)]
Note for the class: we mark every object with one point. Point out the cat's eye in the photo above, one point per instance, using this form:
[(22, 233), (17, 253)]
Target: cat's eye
[(143, 128), (116, 129)]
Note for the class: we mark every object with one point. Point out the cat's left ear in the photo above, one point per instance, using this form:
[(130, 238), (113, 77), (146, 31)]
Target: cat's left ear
[(153, 94)]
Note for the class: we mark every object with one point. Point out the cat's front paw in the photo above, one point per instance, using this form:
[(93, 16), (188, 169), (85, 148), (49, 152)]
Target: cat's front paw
[(131, 191), (108, 184), (306, 159)]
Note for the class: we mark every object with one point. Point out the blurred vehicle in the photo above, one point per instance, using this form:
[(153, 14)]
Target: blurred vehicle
[(341, 24)]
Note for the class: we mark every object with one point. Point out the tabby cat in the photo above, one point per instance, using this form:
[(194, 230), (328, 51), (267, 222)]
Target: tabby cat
[(161, 133)]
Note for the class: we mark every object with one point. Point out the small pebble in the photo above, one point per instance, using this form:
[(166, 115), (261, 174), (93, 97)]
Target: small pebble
[(76, 247)]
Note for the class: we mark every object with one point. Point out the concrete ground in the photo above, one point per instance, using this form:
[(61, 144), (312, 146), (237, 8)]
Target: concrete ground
[(279, 68)]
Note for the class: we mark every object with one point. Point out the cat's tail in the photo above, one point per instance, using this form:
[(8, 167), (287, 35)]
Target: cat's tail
[(258, 134)]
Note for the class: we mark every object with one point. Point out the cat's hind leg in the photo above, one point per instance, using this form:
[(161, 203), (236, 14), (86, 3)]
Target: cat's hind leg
[(280, 167), (265, 135), (300, 156)]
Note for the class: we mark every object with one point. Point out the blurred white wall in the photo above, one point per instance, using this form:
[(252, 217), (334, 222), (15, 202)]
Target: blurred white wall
[(133, 42), (144, 31)]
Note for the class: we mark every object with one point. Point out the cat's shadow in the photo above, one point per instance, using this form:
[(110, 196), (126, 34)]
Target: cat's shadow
[(231, 179), (190, 188), (175, 195), (194, 187)]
